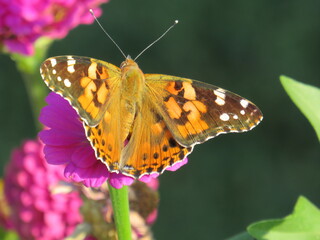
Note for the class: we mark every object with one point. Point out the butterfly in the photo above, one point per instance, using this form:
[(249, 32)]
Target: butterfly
[(140, 124)]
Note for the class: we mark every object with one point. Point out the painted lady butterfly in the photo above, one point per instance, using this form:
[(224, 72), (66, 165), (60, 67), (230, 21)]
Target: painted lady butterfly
[(160, 117)]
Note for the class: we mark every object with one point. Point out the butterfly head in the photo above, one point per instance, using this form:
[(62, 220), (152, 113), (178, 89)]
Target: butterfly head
[(129, 66), (131, 75), (128, 63)]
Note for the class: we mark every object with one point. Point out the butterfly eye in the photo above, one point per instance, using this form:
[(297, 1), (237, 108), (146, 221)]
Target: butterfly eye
[(123, 64)]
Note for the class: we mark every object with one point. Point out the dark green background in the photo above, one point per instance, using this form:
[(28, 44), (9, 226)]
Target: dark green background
[(242, 46)]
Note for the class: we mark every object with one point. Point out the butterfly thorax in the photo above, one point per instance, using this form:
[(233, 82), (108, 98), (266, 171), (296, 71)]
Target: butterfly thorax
[(132, 80)]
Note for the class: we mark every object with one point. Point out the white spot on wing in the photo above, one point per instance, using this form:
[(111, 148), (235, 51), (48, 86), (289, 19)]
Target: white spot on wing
[(53, 62), (67, 82), (224, 117), (220, 93), (71, 69), (242, 112), (59, 78), (54, 71), (71, 62), (235, 117), (244, 103), (220, 101)]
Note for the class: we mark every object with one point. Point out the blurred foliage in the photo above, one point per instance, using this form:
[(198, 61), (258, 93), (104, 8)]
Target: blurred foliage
[(307, 99), (303, 223), (8, 235), (241, 236), (242, 46)]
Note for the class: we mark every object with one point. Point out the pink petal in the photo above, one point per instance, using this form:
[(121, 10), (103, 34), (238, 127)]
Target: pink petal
[(148, 178), (57, 155), (19, 47), (93, 176), (53, 117), (83, 157), (58, 137), (119, 180), (177, 165)]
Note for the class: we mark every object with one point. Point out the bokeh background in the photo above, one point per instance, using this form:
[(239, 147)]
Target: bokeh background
[(243, 46)]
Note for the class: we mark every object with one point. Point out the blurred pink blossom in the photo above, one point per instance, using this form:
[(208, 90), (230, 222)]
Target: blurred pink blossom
[(37, 213), (22, 22)]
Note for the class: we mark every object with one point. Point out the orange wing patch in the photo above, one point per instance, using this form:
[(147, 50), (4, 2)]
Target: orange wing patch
[(174, 110)]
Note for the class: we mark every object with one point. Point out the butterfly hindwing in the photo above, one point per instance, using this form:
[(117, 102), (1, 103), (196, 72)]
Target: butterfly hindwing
[(105, 138), (85, 82), (151, 148), (196, 111)]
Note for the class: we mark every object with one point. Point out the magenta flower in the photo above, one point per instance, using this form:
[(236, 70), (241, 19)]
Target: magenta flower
[(22, 22), (66, 143), (35, 212)]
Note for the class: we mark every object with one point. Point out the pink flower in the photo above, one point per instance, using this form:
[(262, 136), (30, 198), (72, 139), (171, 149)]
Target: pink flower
[(37, 213), (22, 22), (66, 143)]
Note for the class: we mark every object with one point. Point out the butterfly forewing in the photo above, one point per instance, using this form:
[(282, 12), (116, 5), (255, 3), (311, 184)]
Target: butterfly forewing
[(196, 111), (85, 82)]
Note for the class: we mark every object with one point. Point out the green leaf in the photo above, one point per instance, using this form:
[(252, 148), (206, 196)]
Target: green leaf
[(241, 236), (302, 224), (8, 235), (307, 99)]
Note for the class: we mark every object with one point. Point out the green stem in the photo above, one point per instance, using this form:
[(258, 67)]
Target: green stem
[(37, 91), (120, 205), (29, 67)]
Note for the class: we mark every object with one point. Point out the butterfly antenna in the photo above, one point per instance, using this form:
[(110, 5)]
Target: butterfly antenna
[(175, 23), (92, 13)]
